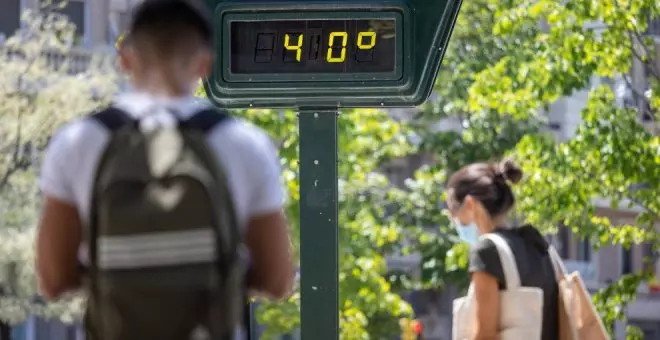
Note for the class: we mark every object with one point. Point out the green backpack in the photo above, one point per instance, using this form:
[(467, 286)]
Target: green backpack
[(167, 260)]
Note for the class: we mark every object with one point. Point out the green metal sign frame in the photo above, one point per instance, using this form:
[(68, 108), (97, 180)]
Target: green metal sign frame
[(426, 26)]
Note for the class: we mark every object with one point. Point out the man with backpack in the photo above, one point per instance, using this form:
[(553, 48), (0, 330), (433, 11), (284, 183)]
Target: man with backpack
[(170, 207)]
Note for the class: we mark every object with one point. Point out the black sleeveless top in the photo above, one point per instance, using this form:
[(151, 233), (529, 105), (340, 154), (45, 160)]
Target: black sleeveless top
[(531, 252)]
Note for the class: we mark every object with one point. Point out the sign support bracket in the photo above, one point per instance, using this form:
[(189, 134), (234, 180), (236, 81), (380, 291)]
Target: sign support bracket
[(319, 229)]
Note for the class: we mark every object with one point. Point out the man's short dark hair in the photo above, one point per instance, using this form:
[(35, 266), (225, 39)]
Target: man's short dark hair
[(170, 28)]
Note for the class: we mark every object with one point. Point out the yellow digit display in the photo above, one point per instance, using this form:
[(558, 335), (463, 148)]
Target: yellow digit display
[(344, 40), (370, 37), (297, 47)]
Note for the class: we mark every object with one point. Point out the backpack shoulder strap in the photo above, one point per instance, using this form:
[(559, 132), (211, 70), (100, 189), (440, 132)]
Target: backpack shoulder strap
[(206, 120), (507, 259), (112, 118)]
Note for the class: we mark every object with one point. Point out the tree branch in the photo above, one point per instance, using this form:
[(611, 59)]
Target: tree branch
[(17, 154), (655, 71), (629, 195), (637, 97)]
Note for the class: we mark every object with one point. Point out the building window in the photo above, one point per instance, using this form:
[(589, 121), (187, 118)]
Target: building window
[(119, 21), (564, 241), (554, 126), (584, 250), (649, 257), (396, 173), (609, 81), (626, 260), (124, 20), (74, 11), (10, 17), (550, 238), (654, 26), (647, 112), (651, 329)]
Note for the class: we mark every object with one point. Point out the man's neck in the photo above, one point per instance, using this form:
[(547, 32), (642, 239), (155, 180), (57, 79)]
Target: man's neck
[(160, 92), (158, 87)]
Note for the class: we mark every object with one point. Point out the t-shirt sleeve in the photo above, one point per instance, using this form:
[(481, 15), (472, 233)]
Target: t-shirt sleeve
[(54, 178), (267, 194), (485, 258)]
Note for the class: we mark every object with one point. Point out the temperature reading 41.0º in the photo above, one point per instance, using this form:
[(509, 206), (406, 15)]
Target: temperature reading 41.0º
[(313, 46)]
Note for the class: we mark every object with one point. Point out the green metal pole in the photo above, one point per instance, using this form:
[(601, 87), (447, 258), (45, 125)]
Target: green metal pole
[(249, 322), (319, 240)]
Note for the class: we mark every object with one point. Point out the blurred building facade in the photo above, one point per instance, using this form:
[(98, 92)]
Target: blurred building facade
[(98, 22)]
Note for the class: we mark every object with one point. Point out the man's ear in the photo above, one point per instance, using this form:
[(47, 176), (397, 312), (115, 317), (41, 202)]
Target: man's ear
[(127, 58)]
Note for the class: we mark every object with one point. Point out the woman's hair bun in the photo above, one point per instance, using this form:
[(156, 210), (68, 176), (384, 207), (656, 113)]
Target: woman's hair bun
[(510, 171)]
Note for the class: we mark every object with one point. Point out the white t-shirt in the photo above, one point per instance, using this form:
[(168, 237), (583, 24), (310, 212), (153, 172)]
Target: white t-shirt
[(249, 159)]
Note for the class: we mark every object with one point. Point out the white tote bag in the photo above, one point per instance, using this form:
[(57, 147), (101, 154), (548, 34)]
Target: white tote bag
[(521, 308)]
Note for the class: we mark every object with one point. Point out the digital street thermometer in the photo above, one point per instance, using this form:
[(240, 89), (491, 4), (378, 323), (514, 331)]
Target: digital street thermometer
[(328, 53)]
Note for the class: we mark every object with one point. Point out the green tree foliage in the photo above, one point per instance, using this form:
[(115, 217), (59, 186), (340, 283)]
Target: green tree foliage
[(455, 134), (612, 155), (507, 63), (41, 87), (369, 309)]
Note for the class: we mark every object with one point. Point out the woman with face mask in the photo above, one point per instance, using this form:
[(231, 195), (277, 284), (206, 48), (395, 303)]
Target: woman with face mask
[(479, 198)]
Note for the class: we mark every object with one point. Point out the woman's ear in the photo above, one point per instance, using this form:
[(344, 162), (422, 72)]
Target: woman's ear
[(468, 202), (466, 211)]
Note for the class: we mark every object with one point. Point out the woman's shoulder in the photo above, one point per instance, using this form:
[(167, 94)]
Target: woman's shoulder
[(484, 257), (485, 244), (520, 240), (526, 234)]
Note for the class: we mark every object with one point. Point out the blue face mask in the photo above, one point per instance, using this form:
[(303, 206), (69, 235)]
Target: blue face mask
[(469, 233)]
